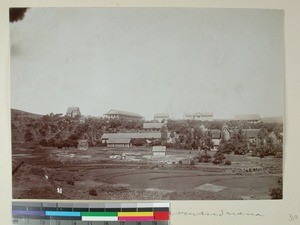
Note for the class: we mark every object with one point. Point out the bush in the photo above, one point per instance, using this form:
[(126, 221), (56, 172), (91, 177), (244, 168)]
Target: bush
[(228, 162), (70, 182), (278, 155), (219, 157), (216, 161), (155, 142), (276, 193), (138, 142), (93, 192), (43, 142), (204, 158), (192, 162), (180, 161)]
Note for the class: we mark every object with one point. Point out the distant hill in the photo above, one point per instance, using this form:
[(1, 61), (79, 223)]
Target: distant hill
[(20, 113), (51, 129), (275, 119)]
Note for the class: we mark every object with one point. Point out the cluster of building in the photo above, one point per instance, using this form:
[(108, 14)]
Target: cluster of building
[(152, 130), (164, 117), (226, 133)]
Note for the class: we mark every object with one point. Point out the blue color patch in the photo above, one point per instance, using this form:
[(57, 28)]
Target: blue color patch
[(62, 213)]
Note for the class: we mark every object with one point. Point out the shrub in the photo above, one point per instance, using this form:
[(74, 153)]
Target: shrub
[(219, 157), (216, 161), (138, 142), (228, 162), (204, 158), (70, 182), (28, 136), (278, 155), (43, 142), (180, 161), (93, 192), (276, 193), (192, 162)]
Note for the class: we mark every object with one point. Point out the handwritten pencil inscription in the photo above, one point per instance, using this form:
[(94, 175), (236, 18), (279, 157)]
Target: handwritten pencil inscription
[(219, 213)]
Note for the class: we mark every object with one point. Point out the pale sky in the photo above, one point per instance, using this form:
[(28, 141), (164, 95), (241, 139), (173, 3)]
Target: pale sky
[(149, 60)]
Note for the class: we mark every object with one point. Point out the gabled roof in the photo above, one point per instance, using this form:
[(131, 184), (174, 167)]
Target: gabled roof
[(146, 135), (251, 133), (153, 125), (119, 141), (71, 109), (216, 134), (124, 113)]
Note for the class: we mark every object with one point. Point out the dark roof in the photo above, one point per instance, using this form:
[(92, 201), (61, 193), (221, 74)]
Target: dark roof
[(124, 113), (216, 134), (251, 133), (71, 109), (119, 141), (148, 135), (153, 125)]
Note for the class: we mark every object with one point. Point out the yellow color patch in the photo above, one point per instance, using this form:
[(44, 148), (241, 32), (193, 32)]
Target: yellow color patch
[(135, 214)]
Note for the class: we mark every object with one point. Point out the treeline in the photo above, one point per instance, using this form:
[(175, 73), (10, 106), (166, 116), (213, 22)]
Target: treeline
[(56, 130), (63, 131)]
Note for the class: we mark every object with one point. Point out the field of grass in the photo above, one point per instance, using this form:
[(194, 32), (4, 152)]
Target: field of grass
[(101, 173)]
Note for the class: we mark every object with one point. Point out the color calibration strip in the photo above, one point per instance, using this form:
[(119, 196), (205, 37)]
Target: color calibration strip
[(124, 212)]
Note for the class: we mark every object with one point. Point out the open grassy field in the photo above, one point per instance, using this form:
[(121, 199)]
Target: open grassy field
[(101, 173)]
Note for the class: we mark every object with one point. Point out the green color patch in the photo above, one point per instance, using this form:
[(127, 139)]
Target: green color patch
[(99, 213)]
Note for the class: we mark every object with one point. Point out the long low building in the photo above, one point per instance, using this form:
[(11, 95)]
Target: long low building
[(153, 126), (143, 135), (119, 142), (125, 139), (199, 116), (118, 114)]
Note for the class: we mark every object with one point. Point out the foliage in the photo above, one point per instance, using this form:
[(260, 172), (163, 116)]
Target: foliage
[(228, 162), (204, 158), (28, 136), (138, 142), (156, 142), (164, 134), (93, 192), (276, 192), (227, 147), (43, 142), (192, 162), (218, 158)]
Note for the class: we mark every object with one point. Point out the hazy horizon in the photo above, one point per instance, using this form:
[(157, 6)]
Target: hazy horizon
[(149, 60)]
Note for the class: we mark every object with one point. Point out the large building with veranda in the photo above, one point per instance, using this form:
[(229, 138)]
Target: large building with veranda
[(118, 114)]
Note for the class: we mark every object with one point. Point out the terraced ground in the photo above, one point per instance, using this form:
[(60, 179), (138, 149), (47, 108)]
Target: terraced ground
[(101, 173)]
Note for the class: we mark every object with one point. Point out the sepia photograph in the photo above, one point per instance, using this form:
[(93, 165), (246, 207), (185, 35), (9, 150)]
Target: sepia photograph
[(147, 103)]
